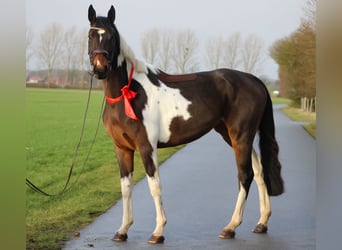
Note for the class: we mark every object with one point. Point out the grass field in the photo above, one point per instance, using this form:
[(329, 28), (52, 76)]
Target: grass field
[(53, 124), (297, 114)]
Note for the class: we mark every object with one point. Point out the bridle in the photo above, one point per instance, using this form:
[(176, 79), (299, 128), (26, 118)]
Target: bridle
[(101, 52)]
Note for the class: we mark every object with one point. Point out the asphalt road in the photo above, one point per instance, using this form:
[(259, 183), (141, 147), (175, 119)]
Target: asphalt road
[(200, 188)]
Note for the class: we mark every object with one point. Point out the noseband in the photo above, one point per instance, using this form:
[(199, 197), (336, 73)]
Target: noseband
[(101, 52)]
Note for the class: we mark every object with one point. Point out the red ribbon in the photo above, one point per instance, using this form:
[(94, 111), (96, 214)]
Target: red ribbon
[(127, 95)]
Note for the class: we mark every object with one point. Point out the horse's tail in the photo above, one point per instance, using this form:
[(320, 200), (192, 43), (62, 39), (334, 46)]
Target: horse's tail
[(269, 152)]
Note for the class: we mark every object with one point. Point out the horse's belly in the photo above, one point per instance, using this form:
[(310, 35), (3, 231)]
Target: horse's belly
[(184, 131)]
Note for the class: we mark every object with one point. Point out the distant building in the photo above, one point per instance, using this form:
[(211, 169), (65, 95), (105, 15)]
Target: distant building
[(58, 81), (34, 79)]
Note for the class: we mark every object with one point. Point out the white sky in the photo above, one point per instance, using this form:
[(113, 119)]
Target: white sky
[(269, 19)]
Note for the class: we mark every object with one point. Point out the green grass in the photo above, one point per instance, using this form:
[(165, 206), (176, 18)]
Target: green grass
[(299, 115), (280, 100), (296, 114), (53, 124)]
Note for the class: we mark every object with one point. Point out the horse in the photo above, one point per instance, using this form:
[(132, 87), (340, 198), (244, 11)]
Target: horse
[(147, 109)]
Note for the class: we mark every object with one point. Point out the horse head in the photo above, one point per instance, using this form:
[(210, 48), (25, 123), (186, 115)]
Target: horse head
[(103, 43)]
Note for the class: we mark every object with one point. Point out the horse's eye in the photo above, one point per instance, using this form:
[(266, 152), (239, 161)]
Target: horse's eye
[(106, 37), (92, 35)]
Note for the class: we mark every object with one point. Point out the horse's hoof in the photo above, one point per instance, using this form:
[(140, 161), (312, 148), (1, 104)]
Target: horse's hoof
[(156, 239), (227, 234), (260, 229), (120, 237)]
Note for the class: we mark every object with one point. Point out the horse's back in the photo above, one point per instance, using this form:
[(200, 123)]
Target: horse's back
[(241, 86)]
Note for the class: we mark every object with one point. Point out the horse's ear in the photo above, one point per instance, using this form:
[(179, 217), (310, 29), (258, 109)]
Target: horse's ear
[(91, 14), (111, 14)]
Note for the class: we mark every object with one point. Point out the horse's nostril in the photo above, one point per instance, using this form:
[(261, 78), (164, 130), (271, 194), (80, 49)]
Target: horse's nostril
[(100, 71), (100, 63), (100, 68)]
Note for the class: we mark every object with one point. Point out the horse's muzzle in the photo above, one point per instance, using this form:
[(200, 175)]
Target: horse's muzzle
[(100, 72), (100, 64)]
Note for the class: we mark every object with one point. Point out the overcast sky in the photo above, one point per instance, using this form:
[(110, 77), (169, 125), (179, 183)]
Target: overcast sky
[(269, 19)]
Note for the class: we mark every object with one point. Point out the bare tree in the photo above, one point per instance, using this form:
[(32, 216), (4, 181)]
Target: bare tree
[(70, 43), (50, 47), (214, 52), (170, 49), (231, 58), (252, 54), (184, 49), (310, 14), (224, 52), (29, 52), (82, 55), (150, 45), (166, 49)]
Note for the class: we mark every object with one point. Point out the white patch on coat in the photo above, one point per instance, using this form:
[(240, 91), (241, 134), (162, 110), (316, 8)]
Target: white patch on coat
[(163, 105)]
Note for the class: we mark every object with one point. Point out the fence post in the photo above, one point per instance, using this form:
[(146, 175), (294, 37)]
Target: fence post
[(308, 104), (310, 107)]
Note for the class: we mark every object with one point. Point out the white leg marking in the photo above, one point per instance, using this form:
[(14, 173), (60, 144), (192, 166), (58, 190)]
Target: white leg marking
[(264, 199), (238, 211), (155, 189), (127, 217), (154, 184)]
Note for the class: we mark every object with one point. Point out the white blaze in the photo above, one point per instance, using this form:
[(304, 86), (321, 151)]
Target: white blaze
[(101, 32)]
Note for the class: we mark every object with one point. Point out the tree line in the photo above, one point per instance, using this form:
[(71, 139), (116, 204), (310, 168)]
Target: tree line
[(56, 49), (174, 51), (296, 57), (180, 51)]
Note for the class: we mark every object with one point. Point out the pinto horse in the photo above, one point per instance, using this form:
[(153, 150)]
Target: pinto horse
[(148, 109)]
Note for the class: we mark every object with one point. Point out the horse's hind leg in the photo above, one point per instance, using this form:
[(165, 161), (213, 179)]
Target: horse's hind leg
[(242, 152), (264, 199), (125, 159)]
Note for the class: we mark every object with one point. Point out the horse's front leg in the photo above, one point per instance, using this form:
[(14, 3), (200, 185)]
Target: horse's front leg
[(125, 159), (151, 165)]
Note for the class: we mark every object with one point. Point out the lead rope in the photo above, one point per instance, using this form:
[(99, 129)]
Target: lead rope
[(65, 188)]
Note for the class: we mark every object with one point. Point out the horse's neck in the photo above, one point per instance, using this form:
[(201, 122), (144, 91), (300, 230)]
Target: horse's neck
[(118, 77), (115, 81)]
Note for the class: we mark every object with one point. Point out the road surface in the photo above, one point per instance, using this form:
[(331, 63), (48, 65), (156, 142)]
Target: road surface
[(199, 186)]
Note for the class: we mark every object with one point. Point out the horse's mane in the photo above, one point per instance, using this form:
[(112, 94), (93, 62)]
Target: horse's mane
[(126, 53)]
